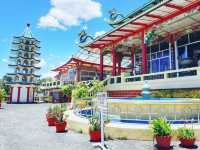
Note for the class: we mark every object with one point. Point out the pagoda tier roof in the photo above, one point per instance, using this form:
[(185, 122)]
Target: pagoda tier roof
[(17, 43), (168, 17), (22, 74), (16, 50), (74, 62), (11, 57), (24, 66), (26, 38)]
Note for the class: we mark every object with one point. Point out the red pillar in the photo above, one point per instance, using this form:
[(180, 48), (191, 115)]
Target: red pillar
[(18, 94), (119, 67), (33, 94), (133, 59), (28, 94), (101, 64), (114, 61), (11, 93), (144, 53)]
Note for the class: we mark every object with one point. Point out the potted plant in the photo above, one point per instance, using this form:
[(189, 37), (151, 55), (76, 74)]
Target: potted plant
[(51, 115), (60, 121), (186, 137), (49, 112), (162, 132), (95, 129)]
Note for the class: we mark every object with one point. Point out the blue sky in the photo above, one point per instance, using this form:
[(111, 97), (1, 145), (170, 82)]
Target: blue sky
[(56, 24)]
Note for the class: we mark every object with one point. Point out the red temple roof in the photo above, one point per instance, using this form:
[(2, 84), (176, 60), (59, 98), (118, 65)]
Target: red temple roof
[(74, 62)]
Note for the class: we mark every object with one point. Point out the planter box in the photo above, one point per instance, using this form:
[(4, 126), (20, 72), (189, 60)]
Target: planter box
[(60, 126), (187, 143), (163, 141), (95, 136)]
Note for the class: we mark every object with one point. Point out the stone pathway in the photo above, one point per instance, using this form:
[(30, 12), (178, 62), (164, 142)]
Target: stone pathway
[(24, 127)]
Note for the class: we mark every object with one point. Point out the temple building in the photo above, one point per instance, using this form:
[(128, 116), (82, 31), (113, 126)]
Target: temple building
[(73, 71), (24, 60), (161, 41)]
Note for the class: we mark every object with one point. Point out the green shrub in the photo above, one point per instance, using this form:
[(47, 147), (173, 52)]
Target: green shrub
[(3, 95), (185, 133), (161, 127), (67, 89), (81, 90)]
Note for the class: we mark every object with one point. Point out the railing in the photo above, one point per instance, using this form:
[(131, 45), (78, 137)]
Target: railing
[(188, 72)]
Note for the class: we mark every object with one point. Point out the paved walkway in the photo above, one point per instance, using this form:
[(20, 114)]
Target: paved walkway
[(24, 127)]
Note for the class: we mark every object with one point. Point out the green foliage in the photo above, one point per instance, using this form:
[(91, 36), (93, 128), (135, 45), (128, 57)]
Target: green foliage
[(80, 91), (67, 89), (97, 86), (161, 127), (3, 94), (58, 112), (185, 133), (176, 94), (95, 123)]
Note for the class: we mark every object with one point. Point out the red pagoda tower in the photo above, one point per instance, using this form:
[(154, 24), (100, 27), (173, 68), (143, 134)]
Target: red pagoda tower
[(24, 59)]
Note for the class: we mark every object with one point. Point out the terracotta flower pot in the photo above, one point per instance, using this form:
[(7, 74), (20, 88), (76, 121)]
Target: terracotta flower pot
[(95, 136), (60, 126), (187, 143), (163, 141), (51, 121)]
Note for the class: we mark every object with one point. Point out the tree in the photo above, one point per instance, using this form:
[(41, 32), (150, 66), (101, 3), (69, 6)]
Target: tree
[(67, 89)]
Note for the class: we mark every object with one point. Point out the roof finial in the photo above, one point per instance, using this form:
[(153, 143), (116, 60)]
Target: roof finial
[(28, 24), (27, 32)]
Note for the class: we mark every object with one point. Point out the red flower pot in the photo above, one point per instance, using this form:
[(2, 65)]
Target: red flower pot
[(60, 126), (187, 142), (51, 121), (163, 141), (95, 136)]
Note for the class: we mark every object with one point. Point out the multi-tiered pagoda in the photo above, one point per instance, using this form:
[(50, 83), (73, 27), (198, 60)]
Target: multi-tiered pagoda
[(24, 61)]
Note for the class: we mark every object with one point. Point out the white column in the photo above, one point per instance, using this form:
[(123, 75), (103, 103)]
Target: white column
[(176, 54), (170, 55)]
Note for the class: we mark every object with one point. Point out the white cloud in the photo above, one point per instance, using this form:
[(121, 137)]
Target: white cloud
[(99, 33), (42, 63), (5, 60), (66, 13), (49, 74)]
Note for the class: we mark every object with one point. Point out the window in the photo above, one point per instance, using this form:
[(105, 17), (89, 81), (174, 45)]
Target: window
[(195, 36), (164, 45), (183, 40)]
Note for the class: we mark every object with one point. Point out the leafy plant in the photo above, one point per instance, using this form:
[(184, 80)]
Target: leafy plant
[(2, 94), (185, 133), (95, 123), (97, 86), (161, 127), (58, 112), (80, 91), (67, 89)]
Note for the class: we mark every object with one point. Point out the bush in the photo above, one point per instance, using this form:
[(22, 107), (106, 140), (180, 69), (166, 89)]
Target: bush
[(67, 89), (97, 86), (3, 95), (80, 91), (161, 127)]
